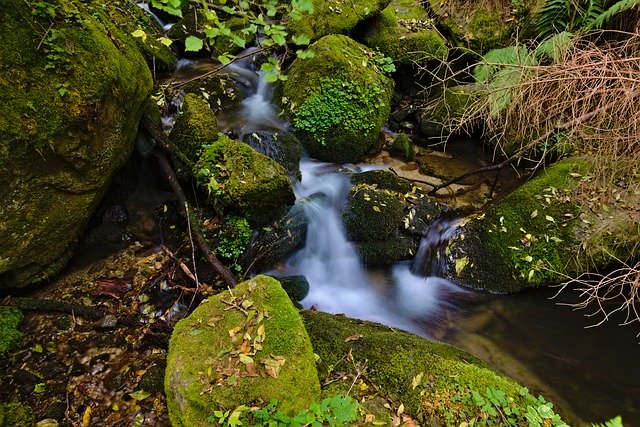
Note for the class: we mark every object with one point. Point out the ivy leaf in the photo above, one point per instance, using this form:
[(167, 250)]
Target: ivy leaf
[(165, 41), (140, 34), (302, 39), (193, 44)]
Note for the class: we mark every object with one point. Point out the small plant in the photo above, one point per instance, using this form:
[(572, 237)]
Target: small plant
[(333, 411), (233, 240), (43, 9)]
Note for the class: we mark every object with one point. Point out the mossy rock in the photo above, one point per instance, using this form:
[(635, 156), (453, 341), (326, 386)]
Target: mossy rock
[(211, 367), (541, 234), (383, 179), (405, 32), (16, 414), (243, 181), (223, 92), (372, 214), (429, 378), (338, 100), (297, 287), (439, 118), (387, 251), (402, 147), (281, 146), (10, 319), (334, 17), (65, 131), (195, 127)]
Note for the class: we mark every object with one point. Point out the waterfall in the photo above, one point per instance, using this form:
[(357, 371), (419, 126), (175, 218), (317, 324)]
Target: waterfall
[(430, 258)]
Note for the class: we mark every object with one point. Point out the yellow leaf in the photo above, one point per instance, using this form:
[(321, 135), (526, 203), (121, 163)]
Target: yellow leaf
[(415, 382), (461, 263), (86, 417), (377, 209)]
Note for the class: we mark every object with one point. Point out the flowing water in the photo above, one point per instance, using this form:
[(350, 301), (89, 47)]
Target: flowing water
[(592, 373)]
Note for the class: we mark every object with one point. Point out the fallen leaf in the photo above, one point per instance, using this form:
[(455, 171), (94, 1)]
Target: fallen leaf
[(353, 338), (461, 263), (415, 382), (86, 417), (139, 394)]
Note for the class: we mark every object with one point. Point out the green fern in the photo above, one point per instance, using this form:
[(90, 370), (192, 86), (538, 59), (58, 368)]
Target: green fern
[(614, 422), (554, 47), (496, 59), (601, 19), (555, 17)]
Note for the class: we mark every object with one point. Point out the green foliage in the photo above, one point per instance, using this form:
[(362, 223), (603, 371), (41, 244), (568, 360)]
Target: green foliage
[(570, 15), (10, 319), (614, 422), (43, 9), (233, 240), (384, 63), (554, 47), (493, 406), (333, 411), (336, 103)]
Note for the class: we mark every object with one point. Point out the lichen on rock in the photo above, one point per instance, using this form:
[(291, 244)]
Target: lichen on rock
[(244, 346)]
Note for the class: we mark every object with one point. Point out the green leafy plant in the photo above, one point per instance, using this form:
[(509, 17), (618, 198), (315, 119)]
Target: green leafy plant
[(233, 239), (43, 9), (571, 15), (614, 422), (333, 411)]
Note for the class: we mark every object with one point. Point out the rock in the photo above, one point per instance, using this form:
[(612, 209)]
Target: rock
[(276, 242), (485, 26), (195, 126), (405, 32), (10, 319), (338, 100), (208, 371), (224, 92), (64, 132), (540, 234), (439, 118), (243, 181), (281, 146), (297, 287), (386, 216), (330, 17), (428, 377), (152, 380), (402, 147)]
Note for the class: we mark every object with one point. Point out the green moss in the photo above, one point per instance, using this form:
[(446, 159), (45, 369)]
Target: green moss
[(451, 106), (335, 17), (195, 127), (403, 147), (10, 319), (338, 100), (383, 179), (16, 414), (427, 377), (528, 238), (385, 252), (63, 131), (204, 371), (405, 32), (240, 179), (372, 214)]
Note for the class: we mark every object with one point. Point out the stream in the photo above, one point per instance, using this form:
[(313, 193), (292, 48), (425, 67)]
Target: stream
[(589, 373)]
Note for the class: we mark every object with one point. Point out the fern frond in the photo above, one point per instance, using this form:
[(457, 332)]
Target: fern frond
[(620, 6), (496, 59), (554, 17), (554, 47), (614, 422)]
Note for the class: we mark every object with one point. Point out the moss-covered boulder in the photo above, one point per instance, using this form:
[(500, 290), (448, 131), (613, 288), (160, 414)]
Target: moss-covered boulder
[(10, 319), (245, 346), (437, 384), (72, 91), (338, 100), (243, 181), (402, 147), (331, 17), (223, 91), (281, 146), (16, 414), (405, 32), (544, 232), (481, 26), (439, 118), (386, 216), (195, 126)]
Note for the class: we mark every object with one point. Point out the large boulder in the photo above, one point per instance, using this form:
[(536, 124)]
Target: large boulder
[(483, 26), (72, 96), (405, 32), (338, 100), (436, 383), (330, 17), (244, 346), (243, 181), (544, 232)]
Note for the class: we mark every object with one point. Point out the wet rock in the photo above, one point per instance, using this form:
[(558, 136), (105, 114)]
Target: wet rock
[(372, 214), (337, 100), (402, 147), (107, 323), (243, 181), (152, 380), (53, 369), (297, 287), (25, 382), (281, 146), (276, 242)]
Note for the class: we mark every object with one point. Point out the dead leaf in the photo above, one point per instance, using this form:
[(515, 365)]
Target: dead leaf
[(353, 338)]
